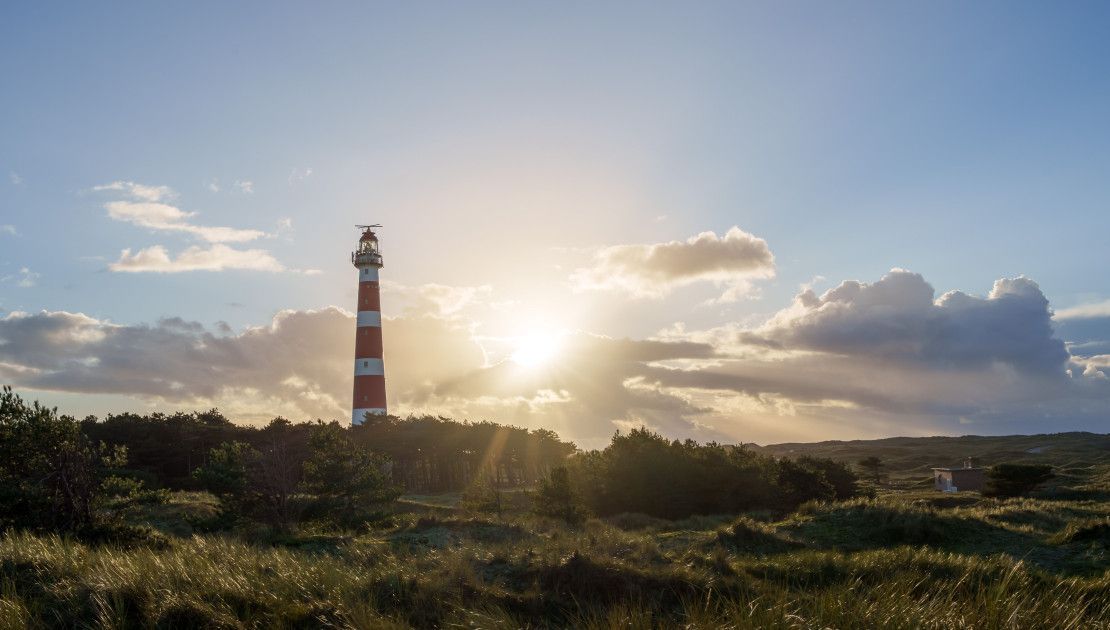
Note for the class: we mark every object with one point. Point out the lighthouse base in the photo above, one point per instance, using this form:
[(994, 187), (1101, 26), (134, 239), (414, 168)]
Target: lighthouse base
[(358, 416)]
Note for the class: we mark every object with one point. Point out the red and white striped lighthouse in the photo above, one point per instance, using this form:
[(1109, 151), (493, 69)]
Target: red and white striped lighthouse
[(369, 368)]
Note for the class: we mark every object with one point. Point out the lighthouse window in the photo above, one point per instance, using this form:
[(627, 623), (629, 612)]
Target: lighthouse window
[(365, 364), (365, 398)]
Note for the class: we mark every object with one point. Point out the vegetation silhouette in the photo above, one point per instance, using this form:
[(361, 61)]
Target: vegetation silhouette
[(302, 525)]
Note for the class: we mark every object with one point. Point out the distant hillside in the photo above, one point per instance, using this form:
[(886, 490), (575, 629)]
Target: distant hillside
[(913, 457)]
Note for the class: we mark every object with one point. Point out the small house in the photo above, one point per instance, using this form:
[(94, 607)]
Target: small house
[(959, 479)]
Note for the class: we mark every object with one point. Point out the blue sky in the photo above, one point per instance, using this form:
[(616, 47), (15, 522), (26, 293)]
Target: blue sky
[(505, 146)]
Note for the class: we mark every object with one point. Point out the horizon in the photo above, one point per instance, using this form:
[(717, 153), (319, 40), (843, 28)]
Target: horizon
[(753, 223)]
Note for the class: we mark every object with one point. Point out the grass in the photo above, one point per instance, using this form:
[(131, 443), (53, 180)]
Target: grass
[(898, 560), (911, 458)]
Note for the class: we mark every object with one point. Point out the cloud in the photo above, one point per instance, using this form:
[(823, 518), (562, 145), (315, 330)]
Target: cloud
[(160, 216), (284, 228), (864, 359), (653, 270), (300, 364), (1085, 311), (146, 208), (435, 299), (299, 174), (298, 361), (9, 230), (215, 258), (245, 186), (897, 319), (24, 278), (15, 178), (891, 355), (138, 191)]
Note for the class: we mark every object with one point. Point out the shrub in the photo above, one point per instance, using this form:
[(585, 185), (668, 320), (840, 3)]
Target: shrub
[(50, 473), (641, 471), (1014, 480), (632, 521), (1084, 530), (556, 498), (873, 466), (798, 483), (122, 535), (350, 482), (744, 534), (841, 478), (483, 495)]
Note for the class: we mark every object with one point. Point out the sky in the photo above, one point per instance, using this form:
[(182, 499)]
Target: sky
[(726, 221)]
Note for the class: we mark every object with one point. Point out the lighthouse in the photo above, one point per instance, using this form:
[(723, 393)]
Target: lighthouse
[(369, 369)]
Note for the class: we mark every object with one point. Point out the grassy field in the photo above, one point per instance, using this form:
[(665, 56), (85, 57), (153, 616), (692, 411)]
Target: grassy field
[(897, 560), (911, 458)]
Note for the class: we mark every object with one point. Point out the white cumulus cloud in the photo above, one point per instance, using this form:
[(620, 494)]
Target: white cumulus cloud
[(215, 258), (150, 207), (24, 278)]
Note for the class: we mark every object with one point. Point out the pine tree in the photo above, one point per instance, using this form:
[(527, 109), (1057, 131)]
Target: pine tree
[(874, 466), (483, 495), (556, 498), (347, 478)]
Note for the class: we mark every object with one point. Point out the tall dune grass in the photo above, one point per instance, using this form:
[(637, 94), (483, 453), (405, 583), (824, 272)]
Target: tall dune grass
[(485, 574)]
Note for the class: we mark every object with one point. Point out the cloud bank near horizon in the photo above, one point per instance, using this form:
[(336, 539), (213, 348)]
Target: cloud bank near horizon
[(862, 359)]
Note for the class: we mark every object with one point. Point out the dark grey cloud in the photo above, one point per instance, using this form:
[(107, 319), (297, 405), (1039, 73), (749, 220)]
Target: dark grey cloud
[(897, 318), (176, 360)]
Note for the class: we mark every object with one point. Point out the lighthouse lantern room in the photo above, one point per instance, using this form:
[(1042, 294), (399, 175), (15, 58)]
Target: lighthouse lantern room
[(369, 389)]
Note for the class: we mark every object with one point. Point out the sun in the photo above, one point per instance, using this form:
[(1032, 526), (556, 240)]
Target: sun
[(535, 349)]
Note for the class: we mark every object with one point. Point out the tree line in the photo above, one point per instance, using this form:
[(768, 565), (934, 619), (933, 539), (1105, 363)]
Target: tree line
[(427, 454), (58, 474)]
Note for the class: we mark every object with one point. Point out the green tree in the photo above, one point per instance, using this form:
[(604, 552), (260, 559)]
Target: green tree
[(1014, 480), (839, 476), (555, 497), (483, 495), (50, 473), (253, 483), (348, 479), (798, 483), (873, 466), (225, 475)]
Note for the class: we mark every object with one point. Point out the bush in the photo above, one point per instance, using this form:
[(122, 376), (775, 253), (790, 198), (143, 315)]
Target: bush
[(744, 534), (1085, 530), (632, 521), (50, 473), (350, 483), (483, 495), (122, 535), (838, 475), (1015, 480), (254, 483), (644, 472), (556, 498)]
